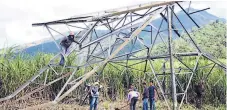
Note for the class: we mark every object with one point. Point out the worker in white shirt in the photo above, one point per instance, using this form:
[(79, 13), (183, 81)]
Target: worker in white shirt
[(133, 97)]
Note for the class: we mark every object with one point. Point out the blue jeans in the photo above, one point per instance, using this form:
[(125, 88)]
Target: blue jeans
[(145, 104), (64, 50), (62, 61), (94, 103), (152, 104)]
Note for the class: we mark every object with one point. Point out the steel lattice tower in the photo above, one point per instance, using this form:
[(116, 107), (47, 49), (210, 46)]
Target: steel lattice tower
[(122, 42)]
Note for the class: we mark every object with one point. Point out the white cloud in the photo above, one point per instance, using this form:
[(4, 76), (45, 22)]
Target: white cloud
[(18, 15)]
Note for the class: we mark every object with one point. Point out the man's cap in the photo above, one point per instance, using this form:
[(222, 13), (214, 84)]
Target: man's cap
[(96, 83)]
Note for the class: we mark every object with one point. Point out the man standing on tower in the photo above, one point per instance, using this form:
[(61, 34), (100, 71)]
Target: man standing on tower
[(65, 44)]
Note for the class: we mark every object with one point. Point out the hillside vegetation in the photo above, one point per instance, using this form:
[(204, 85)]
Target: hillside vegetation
[(210, 38)]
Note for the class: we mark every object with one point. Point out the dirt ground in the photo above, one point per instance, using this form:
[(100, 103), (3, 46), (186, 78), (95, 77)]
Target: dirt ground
[(103, 105), (35, 105), (42, 104)]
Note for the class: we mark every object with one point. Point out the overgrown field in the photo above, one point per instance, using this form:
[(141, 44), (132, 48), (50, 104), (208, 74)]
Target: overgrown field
[(16, 70)]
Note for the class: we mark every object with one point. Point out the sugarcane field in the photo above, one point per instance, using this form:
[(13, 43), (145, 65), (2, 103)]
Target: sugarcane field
[(113, 55)]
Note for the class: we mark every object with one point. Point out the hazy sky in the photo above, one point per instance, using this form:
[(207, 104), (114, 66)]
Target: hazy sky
[(17, 16)]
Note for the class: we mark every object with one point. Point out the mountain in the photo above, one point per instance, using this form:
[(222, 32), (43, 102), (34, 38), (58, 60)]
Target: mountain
[(211, 39), (201, 18)]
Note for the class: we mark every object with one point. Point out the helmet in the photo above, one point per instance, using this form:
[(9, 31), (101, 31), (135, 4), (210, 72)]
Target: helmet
[(71, 33)]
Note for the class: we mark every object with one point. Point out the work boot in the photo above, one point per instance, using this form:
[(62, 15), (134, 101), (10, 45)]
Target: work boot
[(80, 46)]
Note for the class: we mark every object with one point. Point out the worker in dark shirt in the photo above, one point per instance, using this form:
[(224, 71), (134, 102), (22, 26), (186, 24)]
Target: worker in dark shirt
[(94, 92), (88, 89), (145, 96), (65, 44), (152, 95), (199, 90)]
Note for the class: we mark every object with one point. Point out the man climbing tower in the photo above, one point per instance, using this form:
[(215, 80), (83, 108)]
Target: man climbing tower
[(65, 44)]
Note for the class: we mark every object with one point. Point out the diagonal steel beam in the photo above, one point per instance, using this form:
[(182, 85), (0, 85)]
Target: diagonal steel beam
[(188, 15), (154, 74), (89, 74), (189, 82)]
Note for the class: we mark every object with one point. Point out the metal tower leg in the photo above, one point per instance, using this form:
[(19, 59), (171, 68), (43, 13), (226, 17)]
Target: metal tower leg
[(174, 95), (66, 83)]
